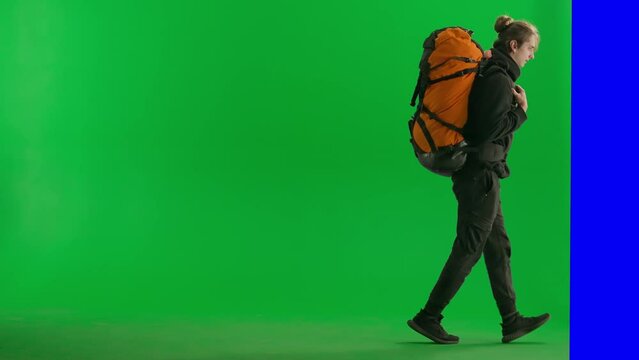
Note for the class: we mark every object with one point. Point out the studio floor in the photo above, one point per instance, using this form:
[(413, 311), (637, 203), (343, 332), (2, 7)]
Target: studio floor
[(52, 336)]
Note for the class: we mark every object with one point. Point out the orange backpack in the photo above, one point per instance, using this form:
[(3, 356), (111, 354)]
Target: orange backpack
[(448, 67)]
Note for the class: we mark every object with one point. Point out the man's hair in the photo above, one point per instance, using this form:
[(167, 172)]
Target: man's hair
[(509, 29)]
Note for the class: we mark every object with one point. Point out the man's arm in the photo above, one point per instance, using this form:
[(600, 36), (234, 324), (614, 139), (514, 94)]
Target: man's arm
[(493, 107)]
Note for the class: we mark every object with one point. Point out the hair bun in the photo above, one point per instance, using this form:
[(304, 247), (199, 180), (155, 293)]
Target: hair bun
[(502, 23)]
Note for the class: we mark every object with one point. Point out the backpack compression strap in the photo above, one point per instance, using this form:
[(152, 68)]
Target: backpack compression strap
[(418, 89), (440, 120), (421, 87), (454, 75), (422, 126)]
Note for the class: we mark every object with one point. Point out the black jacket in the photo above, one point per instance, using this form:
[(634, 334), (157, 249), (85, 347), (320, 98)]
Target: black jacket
[(493, 113)]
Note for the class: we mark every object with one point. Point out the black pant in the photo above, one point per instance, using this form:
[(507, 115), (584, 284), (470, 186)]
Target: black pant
[(480, 229)]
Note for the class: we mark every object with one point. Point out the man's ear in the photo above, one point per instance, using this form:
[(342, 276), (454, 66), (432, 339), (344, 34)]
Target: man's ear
[(513, 45)]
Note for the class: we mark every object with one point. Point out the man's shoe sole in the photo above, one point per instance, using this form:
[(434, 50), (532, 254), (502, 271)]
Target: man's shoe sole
[(413, 325), (519, 333)]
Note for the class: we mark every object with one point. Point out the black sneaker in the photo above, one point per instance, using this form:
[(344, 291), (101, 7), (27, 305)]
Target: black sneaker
[(431, 328), (521, 326)]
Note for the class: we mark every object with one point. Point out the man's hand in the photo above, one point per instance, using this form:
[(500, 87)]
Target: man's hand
[(520, 96)]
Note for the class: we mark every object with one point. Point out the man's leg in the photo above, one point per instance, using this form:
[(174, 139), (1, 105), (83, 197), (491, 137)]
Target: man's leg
[(478, 202), (477, 197), (497, 259)]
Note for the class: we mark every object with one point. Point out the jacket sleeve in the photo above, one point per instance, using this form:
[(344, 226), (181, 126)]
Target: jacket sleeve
[(494, 108)]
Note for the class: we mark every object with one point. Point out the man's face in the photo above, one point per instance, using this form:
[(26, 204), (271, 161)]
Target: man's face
[(524, 52)]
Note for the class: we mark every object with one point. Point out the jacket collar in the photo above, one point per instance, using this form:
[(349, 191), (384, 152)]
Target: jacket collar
[(506, 62)]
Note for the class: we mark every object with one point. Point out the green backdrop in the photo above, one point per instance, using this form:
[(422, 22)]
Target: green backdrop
[(251, 159)]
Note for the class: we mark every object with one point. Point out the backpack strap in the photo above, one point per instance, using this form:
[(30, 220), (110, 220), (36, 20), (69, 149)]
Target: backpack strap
[(454, 75), (424, 67), (417, 90), (487, 151), (422, 125), (440, 120), (458, 58)]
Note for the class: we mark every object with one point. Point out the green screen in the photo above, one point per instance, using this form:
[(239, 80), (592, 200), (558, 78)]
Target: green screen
[(247, 160)]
